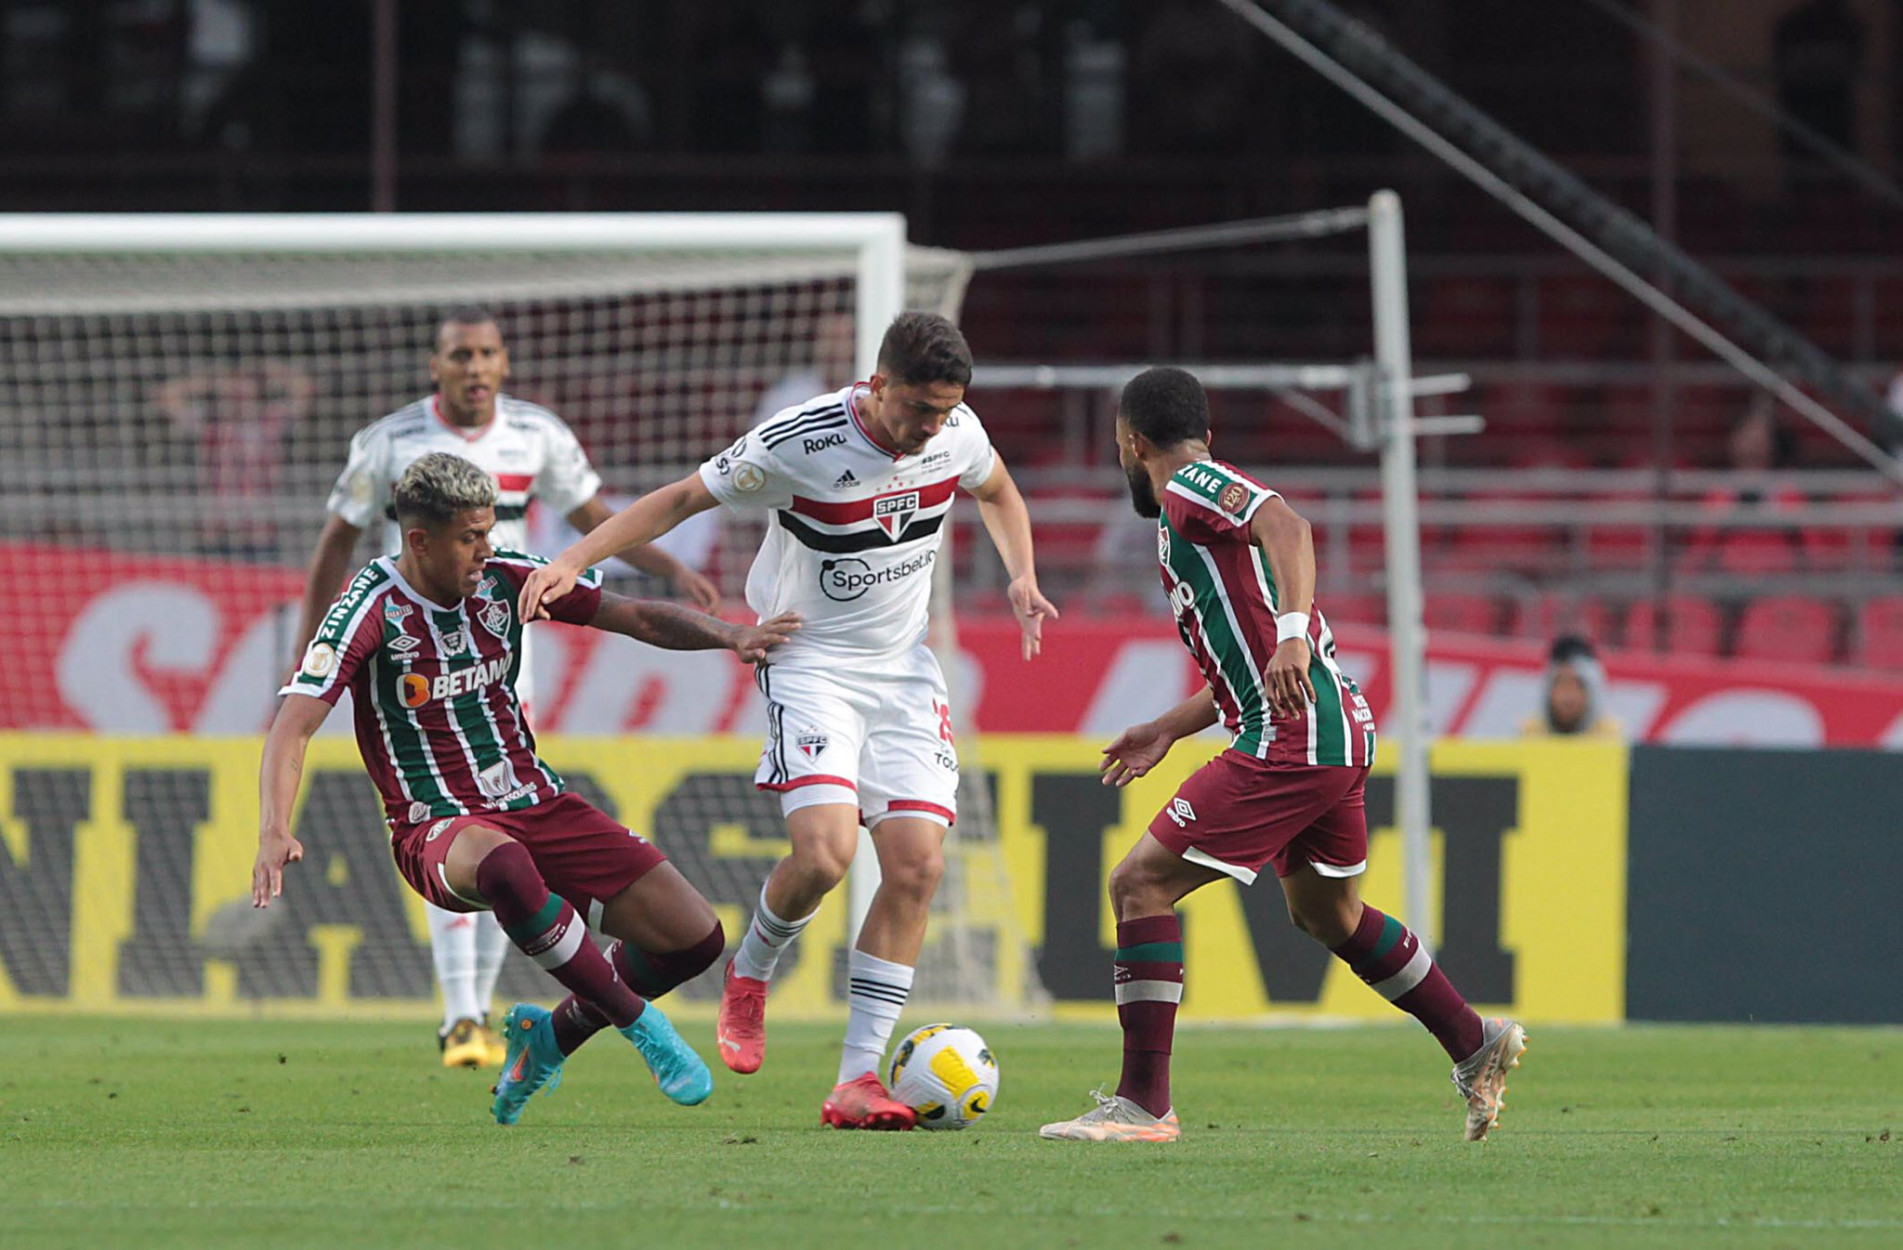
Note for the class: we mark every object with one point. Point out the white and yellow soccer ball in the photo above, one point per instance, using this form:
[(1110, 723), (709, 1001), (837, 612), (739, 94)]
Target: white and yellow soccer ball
[(947, 1074)]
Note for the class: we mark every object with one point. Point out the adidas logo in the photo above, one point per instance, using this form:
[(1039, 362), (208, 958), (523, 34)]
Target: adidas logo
[(845, 479)]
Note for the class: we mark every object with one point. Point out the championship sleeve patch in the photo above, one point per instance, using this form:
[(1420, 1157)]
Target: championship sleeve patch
[(320, 661), (748, 478), (1233, 499)]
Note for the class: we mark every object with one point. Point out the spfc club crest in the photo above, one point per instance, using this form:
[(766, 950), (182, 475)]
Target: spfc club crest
[(895, 512), (495, 618), (811, 745)]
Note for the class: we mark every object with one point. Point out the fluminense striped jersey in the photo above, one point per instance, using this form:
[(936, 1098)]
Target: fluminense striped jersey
[(855, 526), (1223, 596), (438, 721)]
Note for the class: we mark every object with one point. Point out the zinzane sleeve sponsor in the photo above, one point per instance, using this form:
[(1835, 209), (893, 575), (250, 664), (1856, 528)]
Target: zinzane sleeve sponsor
[(1211, 504), (363, 488), (979, 456), (345, 640), (567, 480), (577, 607), (748, 475)]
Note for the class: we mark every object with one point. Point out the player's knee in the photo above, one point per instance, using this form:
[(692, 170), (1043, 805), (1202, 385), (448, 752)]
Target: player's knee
[(1329, 923), (916, 875), (1134, 891), (699, 957), (508, 876), (821, 862)]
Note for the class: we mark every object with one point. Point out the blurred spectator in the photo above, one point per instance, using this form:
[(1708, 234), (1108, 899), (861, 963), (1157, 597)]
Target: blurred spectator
[(1817, 53), (828, 368), (240, 416), (1757, 446), (1575, 694)]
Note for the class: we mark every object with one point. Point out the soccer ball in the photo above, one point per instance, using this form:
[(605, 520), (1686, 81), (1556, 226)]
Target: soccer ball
[(946, 1074)]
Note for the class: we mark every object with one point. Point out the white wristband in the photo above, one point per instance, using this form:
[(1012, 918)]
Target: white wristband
[(1291, 625)]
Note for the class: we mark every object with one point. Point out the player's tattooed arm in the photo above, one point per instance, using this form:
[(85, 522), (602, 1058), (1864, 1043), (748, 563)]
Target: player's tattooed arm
[(674, 628)]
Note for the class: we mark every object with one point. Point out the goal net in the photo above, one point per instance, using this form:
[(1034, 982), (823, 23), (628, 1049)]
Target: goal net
[(177, 397)]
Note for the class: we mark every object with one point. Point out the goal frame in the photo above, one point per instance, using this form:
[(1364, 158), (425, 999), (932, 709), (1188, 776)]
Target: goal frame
[(878, 240)]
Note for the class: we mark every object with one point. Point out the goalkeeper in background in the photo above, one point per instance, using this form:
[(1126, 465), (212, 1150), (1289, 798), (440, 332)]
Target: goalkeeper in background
[(532, 455)]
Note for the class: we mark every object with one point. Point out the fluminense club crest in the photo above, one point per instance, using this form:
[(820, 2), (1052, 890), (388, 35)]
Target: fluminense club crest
[(495, 618)]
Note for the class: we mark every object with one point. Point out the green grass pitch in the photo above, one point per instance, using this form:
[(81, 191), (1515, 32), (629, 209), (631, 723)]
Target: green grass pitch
[(279, 1134)]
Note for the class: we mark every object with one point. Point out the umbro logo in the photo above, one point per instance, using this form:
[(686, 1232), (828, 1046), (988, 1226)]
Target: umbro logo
[(1180, 811), (845, 479)]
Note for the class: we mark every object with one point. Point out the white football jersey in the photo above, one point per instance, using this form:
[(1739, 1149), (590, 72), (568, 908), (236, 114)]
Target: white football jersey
[(854, 530), (528, 450)]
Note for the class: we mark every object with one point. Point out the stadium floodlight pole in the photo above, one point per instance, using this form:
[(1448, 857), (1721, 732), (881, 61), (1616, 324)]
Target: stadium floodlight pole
[(1407, 633)]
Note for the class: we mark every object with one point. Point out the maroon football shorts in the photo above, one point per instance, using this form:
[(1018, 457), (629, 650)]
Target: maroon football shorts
[(1237, 813), (585, 855)]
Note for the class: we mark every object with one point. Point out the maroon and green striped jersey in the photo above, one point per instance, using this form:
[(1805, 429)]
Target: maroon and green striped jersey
[(433, 688), (1224, 599)]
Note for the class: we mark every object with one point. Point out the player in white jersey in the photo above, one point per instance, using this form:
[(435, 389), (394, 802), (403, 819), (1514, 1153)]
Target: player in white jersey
[(857, 485), (532, 455)]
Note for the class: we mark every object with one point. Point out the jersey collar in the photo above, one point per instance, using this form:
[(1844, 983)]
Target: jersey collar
[(859, 422), (423, 600), (463, 432)]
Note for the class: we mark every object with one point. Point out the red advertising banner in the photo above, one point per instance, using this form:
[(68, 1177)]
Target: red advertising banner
[(129, 644)]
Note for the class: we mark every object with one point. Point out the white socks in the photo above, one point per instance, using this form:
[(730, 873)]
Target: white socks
[(452, 941), (877, 990), (492, 947), (766, 937)]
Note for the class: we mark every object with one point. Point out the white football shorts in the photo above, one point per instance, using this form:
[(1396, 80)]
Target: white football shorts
[(879, 740)]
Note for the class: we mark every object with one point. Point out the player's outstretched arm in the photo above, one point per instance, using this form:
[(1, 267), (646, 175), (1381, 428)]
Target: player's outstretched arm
[(1008, 522), (675, 628), (325, 576), (644, 520), (278, 777), (1285, 540), (1142, 747), (699, 589)]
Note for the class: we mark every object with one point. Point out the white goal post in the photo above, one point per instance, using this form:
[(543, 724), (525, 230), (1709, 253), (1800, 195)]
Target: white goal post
[(876, 241), (177, 394)]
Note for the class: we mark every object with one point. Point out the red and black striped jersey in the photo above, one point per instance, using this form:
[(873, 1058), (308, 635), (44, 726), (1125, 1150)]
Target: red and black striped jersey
[(855, 527)]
